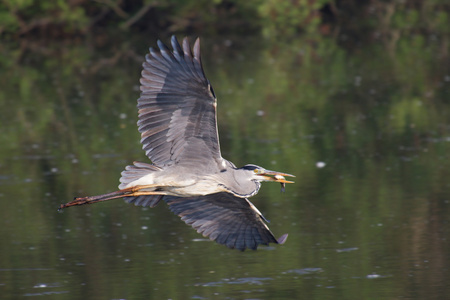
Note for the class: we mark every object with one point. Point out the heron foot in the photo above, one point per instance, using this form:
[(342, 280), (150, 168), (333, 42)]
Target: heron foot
[(95, 199)]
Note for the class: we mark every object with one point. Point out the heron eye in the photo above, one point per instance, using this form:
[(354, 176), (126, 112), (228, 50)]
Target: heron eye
[(255, 171)]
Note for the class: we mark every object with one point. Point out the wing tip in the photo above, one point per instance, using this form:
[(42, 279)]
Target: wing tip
[(197, 48), (282, 239), (160, 44)]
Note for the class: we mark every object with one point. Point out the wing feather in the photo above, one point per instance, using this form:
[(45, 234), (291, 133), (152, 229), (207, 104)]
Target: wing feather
[(177, 102), (225, 218)]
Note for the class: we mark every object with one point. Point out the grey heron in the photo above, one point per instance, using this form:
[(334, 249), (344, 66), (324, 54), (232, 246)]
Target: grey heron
[(178, 126)]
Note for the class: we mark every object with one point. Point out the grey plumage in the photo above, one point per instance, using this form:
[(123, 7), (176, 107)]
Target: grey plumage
[(227, 219), (177, 121), (178, 126), (177, 108)]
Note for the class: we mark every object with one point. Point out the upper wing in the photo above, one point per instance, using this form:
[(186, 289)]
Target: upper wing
[(177, 107), (225, 218)]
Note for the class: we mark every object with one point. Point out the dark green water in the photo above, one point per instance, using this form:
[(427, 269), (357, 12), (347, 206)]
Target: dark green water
[(366, 131)]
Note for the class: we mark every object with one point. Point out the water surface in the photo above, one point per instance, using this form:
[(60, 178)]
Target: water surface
[(366, 133)]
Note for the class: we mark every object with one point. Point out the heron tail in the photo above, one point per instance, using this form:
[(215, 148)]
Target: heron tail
[(135, 172)]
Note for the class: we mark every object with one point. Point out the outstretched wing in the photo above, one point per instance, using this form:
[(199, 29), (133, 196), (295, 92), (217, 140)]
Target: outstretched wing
[(226, 219), (177, 107)]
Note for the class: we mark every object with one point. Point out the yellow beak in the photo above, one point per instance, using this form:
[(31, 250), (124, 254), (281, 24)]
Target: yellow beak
[(277, 176)]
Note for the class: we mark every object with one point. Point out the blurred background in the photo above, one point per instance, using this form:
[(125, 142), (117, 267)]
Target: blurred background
[(350, 96)]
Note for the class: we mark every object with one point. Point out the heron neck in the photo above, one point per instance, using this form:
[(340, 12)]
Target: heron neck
[(239, 184)]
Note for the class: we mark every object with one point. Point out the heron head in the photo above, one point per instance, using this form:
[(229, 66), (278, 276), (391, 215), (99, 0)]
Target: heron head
[(260, 174)]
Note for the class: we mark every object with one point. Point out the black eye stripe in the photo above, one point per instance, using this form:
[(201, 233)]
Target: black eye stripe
[(250, 167)]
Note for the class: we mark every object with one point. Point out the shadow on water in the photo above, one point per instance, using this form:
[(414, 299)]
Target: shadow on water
[(365, 130)]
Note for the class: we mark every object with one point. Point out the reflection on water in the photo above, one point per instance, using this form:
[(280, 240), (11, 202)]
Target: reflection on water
[(366, 133)]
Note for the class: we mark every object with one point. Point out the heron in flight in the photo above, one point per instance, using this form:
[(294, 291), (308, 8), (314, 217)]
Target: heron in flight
[(178, 126)]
